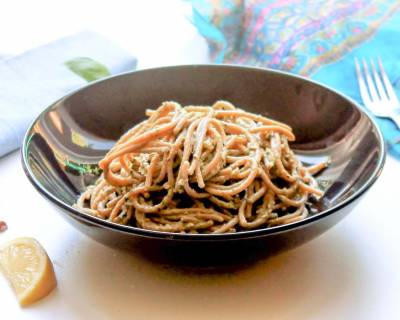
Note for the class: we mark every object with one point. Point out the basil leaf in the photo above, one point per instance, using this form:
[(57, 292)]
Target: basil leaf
[(87, 68)]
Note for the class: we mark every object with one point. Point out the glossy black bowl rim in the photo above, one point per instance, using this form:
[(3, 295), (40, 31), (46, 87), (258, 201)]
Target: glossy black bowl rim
[(83, 217)]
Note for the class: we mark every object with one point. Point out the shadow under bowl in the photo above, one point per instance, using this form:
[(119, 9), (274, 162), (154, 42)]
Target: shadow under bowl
[(62, 147)]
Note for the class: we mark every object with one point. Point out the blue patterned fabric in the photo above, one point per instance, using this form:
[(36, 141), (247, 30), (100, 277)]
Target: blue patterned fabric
[(318, 39)]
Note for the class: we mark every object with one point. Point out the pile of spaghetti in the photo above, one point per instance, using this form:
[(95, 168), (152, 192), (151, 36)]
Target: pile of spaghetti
[(201, 169)]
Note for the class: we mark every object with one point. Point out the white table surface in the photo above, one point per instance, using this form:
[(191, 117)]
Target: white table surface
[(350, 272)]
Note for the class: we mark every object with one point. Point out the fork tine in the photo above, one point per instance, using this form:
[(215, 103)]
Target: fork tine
[(370, 83), (361, 83), (378, 82), (388, 86)]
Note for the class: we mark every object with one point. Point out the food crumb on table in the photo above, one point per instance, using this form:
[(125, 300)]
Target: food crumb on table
[(3, 226)]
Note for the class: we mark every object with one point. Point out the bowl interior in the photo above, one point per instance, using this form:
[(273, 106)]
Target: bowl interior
[(63, 146)]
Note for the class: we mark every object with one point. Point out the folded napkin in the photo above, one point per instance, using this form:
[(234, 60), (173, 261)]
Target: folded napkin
[(33, 80), (318, 39)]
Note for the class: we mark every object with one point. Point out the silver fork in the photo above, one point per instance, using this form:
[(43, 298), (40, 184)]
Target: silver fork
[(377, 92)]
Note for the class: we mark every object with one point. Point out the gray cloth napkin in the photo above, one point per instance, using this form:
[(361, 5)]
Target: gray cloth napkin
[(33, 80)]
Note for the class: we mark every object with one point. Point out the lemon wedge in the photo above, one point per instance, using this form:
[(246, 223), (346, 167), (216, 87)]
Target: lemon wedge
[(28, 268)]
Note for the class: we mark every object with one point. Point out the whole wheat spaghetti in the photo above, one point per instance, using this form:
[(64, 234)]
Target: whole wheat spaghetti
[(201, 169)]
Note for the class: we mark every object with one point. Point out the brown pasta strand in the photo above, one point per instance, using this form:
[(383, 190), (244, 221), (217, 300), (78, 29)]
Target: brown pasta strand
[(200, 169)]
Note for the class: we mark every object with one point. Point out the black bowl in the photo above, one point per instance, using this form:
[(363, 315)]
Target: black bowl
[(64, 144)]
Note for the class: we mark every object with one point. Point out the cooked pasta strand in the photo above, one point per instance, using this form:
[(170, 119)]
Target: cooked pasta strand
[(201, 169)]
